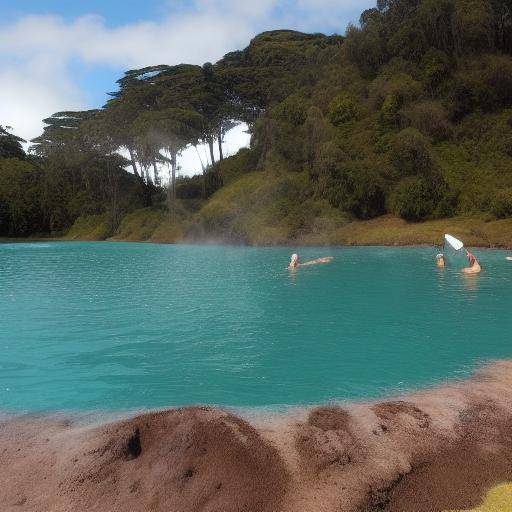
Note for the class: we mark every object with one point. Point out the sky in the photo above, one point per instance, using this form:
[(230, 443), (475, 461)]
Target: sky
[(60, 55)]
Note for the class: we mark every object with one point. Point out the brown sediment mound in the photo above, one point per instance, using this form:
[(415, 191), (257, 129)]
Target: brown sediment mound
[(461, 474), (393, 415), (325, 439), (436, 450), (181, 460)]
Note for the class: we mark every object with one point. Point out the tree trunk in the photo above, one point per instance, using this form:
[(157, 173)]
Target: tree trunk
[(134, 165), (169, 194), (204, 173), (146, 176), (221, 155), (155, 174), (146, 193), (171, 189), (113, 196), (174, 166), (212, 154)]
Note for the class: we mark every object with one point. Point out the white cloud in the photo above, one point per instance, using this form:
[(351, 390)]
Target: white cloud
[(34, 90), (36, 51), (235, 139)]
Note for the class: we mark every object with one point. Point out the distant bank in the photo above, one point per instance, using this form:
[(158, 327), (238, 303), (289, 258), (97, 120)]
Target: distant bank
[(154, 225)]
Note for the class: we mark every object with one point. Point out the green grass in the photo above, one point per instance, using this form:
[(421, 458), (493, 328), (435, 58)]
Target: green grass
[(146, 224), (267, 209), (498, 499), (263, 208), (149, 224), (140, 224), (90, 227), (389, 230)]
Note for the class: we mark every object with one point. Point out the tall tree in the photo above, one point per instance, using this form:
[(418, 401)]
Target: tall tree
[(10, 145)]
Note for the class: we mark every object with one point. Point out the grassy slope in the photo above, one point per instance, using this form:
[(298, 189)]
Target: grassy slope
[(390, 230), (91, 227), (148, 224), (144, 225), (261, 208), (268, 209)]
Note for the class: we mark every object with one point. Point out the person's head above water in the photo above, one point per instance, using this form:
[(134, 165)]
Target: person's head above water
[(294, 260), (440, 260)]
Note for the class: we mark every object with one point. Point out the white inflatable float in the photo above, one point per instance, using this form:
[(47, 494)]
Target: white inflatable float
[(453, 242)]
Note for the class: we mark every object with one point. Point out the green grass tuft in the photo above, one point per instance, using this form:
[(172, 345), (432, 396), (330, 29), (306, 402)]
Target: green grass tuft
[(90, 227)]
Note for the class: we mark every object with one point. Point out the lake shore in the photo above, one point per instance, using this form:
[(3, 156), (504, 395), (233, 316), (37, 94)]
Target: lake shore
[(440, 449), (382, 231)]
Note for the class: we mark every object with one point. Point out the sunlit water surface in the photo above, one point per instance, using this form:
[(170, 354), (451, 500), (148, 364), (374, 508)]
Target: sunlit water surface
[(116, 326)]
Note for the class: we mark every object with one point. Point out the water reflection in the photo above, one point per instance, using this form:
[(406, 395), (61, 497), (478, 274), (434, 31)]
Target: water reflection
[(292, 274), (471, 282)]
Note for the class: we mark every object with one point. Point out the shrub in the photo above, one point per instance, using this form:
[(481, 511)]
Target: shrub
[(343, 109), (367, 198), (436, 68), (430, 118), (365, 47), (292, 110), (473, 27), (501, 205), (447, 205), (352, 186), (401, 87), (485, 83), (411, 152), (407, 42), (413, 199)]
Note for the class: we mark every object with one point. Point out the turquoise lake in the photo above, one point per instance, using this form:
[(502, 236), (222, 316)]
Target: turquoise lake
[(121, 326)]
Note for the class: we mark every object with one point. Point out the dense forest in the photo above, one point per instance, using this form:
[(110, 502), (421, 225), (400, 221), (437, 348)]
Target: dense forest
[(409, 113)]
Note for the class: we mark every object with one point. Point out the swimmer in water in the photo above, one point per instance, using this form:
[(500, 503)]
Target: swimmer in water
[(295, 263), (440, 261), (474, 266)]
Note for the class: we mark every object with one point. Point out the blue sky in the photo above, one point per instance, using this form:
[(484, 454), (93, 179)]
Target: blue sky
[(115, 12), (67, 54), (94, 79)]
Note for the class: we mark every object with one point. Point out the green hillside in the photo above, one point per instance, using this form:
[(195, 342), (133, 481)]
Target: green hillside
[(407, 116)]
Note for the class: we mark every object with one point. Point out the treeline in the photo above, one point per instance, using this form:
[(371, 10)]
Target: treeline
[(41, 195), (408, 113), (411, 117)]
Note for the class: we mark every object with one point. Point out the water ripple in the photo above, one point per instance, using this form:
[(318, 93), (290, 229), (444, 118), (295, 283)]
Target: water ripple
[(123, 326)]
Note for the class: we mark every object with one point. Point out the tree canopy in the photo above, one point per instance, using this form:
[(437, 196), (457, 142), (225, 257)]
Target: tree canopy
[(409, 113)]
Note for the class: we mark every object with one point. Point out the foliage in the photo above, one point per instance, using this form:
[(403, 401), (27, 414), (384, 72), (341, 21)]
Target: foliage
[(501, 205), (22, 210), (343, 109), (430, 118), (90, 227), (265, 208), (413, 199), (409, 113), (10, 145), (411, 153)]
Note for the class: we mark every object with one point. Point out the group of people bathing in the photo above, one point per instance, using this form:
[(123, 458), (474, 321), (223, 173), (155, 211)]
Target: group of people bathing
[(473, 268)]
